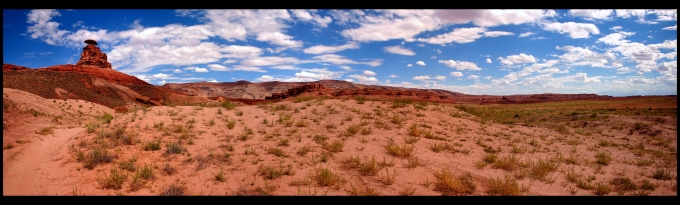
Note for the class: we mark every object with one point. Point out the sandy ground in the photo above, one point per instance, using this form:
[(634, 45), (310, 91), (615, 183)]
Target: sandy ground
[(47, 164)]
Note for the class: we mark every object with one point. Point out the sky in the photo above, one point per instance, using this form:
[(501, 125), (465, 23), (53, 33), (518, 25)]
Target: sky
[(493, 52)]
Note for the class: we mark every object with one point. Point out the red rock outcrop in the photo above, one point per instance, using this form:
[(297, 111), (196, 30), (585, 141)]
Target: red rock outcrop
[(297, 90), (110, 75), (93, 56), (8, 67)]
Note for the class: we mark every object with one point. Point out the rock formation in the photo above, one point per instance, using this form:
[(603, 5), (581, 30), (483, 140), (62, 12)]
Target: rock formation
[(92, 56), (297, 90)]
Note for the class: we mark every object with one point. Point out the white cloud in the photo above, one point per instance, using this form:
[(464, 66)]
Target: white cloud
[(488, 60), (349, 80), (456, 74), (340, 60), (475, 77), (177, 71), (265, 25), (674, 27), (584, 56), (393, 76), (399, 50), (463, 35), (409, 65), (616, 38), (321, 49), (642, 81), (553, 70), (460, 65), (421, 78), (212, 81), (266, 78), (305, 15), (583, 77), (201, 70), (592, 14), (420, 63), (440, 77), (575, 30), (346, 68), (392, 24), (526, 34), (513, 59), (498, 33), (616, 28), (364, 79), (490, 18), (269, 61), (626, 13), (623, 70), (369, 73), (217, 67)]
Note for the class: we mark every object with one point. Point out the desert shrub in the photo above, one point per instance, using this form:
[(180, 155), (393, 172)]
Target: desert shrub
[(449, 184), (229, 105)]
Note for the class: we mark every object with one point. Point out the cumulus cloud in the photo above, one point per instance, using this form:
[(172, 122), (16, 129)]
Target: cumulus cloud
[(526, 34), (490, 18), (392, 24), (409, 65), (463, 35), (440, 77), (623, 70), (420, 63), (306, 15), (584, 56), (369, 73), (513, 59), (475, 77), (393, 76), (488, 60), (422, 78), (321, 49), (575, 30), (364, 79), (212, 81), (201, 70), (583, 77), (399, 50), (592, 14), (616, 28), (674, 27), (340, 60), (553, 70), (346, 68), (460, 65), (177, 71), (217, 67), (456, 74)]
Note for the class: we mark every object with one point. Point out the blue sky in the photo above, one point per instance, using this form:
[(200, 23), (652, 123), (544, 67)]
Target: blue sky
[(496, 52)]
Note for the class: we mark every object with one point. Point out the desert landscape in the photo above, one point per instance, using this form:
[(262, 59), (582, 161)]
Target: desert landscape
[(87, 129)]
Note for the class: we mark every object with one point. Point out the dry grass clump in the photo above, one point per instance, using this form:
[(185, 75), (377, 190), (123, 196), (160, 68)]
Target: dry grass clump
[(114, 180), (454, 185), (177, 188), (95, 157), (271, 172), (324, 177), (507, 187), (367, 191), (403, 151)]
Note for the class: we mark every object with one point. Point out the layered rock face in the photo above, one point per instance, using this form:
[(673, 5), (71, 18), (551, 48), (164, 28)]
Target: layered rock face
[(93, 56), (297, 90)]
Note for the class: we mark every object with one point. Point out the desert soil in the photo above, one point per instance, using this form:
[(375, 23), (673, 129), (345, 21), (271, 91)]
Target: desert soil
[(215, 159)]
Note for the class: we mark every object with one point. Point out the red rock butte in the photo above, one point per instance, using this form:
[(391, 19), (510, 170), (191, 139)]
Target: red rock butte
[(93, 56)]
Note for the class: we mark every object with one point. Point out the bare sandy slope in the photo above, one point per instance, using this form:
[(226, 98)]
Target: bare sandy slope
[(37, 162), (251, 164)]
